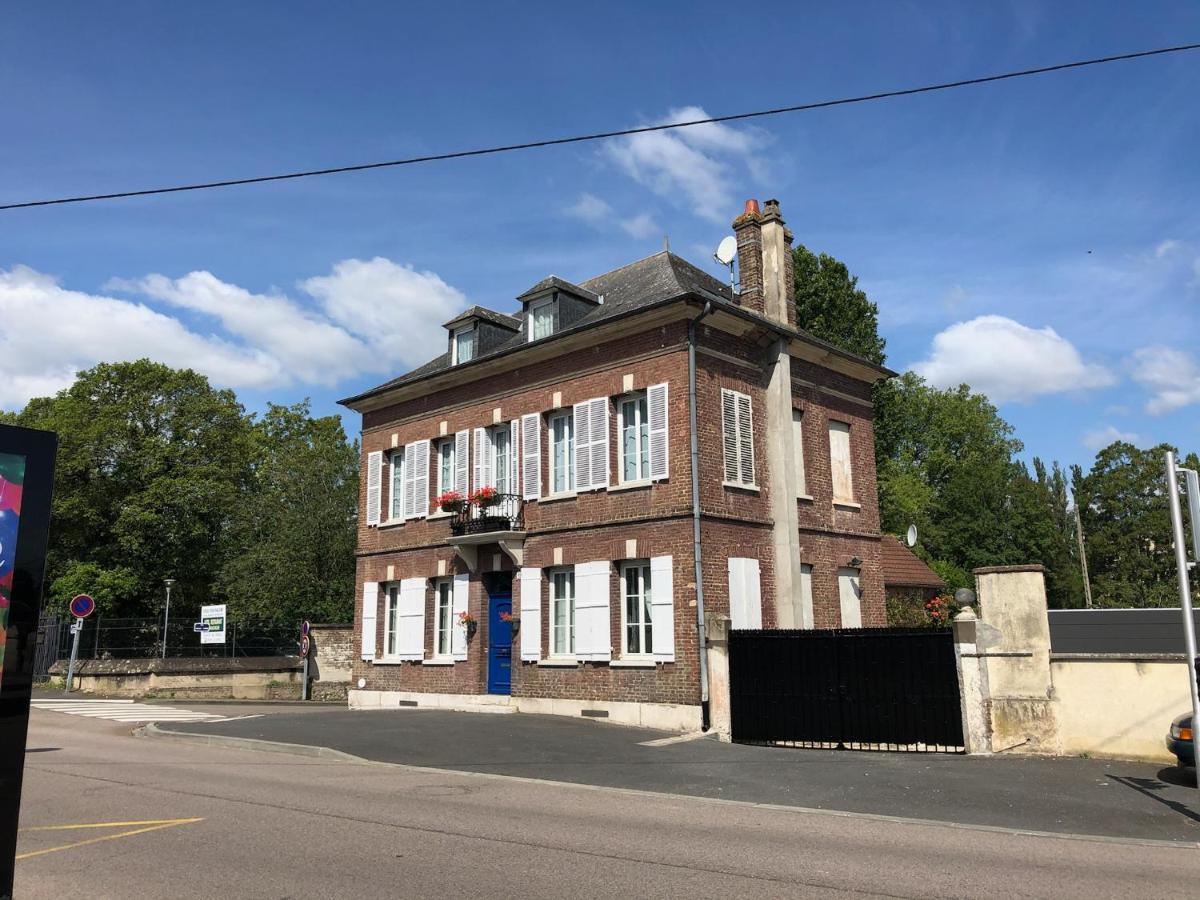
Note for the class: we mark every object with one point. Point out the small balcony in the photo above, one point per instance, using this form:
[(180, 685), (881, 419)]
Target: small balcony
[(506, 513), (500, 520)]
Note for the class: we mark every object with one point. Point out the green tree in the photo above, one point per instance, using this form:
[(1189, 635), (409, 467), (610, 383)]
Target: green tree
[(152, 462), (830, 306), (291, 540), (1127, 526)]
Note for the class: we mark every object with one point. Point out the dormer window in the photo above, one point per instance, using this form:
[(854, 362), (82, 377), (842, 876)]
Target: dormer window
[(541, 319), (463, 345)]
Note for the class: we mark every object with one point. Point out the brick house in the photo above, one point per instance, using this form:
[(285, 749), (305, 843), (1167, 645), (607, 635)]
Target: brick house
[(905, 575), (601, 412)]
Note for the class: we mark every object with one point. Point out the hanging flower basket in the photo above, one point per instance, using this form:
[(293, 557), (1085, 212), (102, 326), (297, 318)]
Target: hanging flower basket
[(467, 621), (513, 622), (451, 501)]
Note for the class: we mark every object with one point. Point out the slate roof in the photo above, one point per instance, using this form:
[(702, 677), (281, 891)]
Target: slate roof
[(643, 283), (554, 282), (903, 568)]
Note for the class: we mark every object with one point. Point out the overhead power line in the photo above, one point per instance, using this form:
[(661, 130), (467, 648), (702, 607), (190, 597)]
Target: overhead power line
[(604, 135)]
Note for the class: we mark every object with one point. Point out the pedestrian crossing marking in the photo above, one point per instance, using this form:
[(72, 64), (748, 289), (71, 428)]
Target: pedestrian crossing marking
[(124, 711)]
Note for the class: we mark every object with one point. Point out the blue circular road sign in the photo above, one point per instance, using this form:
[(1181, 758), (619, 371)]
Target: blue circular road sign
[(82, 606)]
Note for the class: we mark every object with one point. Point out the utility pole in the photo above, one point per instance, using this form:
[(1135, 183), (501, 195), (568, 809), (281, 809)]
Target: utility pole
[(1087, 584), (1183, 570)]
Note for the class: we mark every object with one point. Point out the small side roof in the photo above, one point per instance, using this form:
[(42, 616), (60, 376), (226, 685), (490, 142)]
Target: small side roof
[(488, 315), (554, 283), (903, 568)]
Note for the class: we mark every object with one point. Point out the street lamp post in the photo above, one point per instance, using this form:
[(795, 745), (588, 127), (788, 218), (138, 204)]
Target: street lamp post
[(166, 615)]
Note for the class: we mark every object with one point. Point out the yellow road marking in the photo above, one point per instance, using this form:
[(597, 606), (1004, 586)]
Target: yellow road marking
[(165, 823), (111, 824)]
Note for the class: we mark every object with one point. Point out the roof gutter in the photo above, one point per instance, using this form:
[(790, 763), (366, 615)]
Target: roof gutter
[(701, 632)]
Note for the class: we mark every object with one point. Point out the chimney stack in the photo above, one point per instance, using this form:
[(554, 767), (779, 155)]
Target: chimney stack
[(748, 229), (764, 245)]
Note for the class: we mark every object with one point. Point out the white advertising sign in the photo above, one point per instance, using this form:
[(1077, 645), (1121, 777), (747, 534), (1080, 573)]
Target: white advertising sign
[(214, 618)]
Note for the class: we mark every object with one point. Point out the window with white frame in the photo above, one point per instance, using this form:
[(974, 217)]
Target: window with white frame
[(562, 453), (637, 633), (443, 617), (464, 345), (562, 612), (502, 455), (839, 461), (541, 319), (391, 625), (737, 437), (798, 451), (634, 430), (445, 465), (397, 482)]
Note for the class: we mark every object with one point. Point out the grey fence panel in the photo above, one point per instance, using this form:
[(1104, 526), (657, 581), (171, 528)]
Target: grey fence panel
[(1117, 630)]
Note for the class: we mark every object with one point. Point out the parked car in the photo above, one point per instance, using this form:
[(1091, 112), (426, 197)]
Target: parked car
[(1179, 740)]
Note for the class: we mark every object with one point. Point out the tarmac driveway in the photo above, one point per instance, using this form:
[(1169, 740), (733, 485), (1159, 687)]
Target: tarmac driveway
[(1079, 796)]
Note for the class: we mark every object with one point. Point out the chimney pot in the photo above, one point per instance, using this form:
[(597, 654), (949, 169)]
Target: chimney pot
[(751, 208)]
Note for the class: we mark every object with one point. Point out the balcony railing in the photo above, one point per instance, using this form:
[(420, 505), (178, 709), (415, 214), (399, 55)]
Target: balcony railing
[(505, 513)]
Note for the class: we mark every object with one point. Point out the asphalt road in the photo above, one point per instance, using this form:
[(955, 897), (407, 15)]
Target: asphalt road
[(236, 823), (1083, 796)]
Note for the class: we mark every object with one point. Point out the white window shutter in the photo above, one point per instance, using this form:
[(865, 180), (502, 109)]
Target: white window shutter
[(421, 479), (531, 459), (729, 442), (745, 596), (745, 439), (662, 608), (409, 506), (656, 413), (410, 642), (369, 606), (530, 581), (477, 469), (593, 637), (374, 486), (458, 637), (462, 461), (583, 446), (514, 444), (598, 424)]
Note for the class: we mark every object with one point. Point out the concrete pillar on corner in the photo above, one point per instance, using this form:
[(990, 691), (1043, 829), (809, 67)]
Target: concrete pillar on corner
[(972, 684), (717, 648)]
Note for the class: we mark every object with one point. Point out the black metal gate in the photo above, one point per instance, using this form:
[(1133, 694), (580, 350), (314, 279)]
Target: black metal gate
[(862, 689), (51, 630)]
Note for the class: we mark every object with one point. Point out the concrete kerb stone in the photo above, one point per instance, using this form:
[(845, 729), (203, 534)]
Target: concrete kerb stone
[(313, 751), (328, 753)]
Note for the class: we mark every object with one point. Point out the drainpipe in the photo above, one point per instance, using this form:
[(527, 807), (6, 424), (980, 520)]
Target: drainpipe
[(701, 635)]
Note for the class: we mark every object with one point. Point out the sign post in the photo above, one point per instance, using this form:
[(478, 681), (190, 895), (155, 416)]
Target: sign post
[(26, 484), (1183, 568), (82, 606)]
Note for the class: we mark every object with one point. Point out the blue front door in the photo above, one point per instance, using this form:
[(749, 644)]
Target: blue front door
[(499, 645)]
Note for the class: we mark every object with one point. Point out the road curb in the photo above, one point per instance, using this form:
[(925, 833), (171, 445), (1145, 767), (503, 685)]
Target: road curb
[(312, 751)]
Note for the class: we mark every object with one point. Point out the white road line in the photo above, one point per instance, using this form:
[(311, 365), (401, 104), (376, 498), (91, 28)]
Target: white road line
[(677, 739), (124, 711)]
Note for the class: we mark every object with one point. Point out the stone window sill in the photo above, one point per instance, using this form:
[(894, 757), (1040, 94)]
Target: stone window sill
[(437, 662), (391, 523), (392, 661), (847, 504), (554, 498), (633, 662), (559, 662), (631, 485), (738, 486), (808, 498), (439, 515)]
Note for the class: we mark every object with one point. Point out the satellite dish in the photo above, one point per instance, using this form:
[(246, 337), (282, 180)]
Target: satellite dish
[(911, 537), (726, 251)]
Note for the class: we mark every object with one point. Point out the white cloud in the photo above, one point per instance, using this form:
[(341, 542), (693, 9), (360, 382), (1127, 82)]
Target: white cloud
[(1168, 246), (369, 316), (1102, 437), (641, 226), (590, 208), (691, 166), (1008, 361), (1171, 376)]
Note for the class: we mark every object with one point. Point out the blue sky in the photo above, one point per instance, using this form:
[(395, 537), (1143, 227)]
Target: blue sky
[(1036, 238)]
